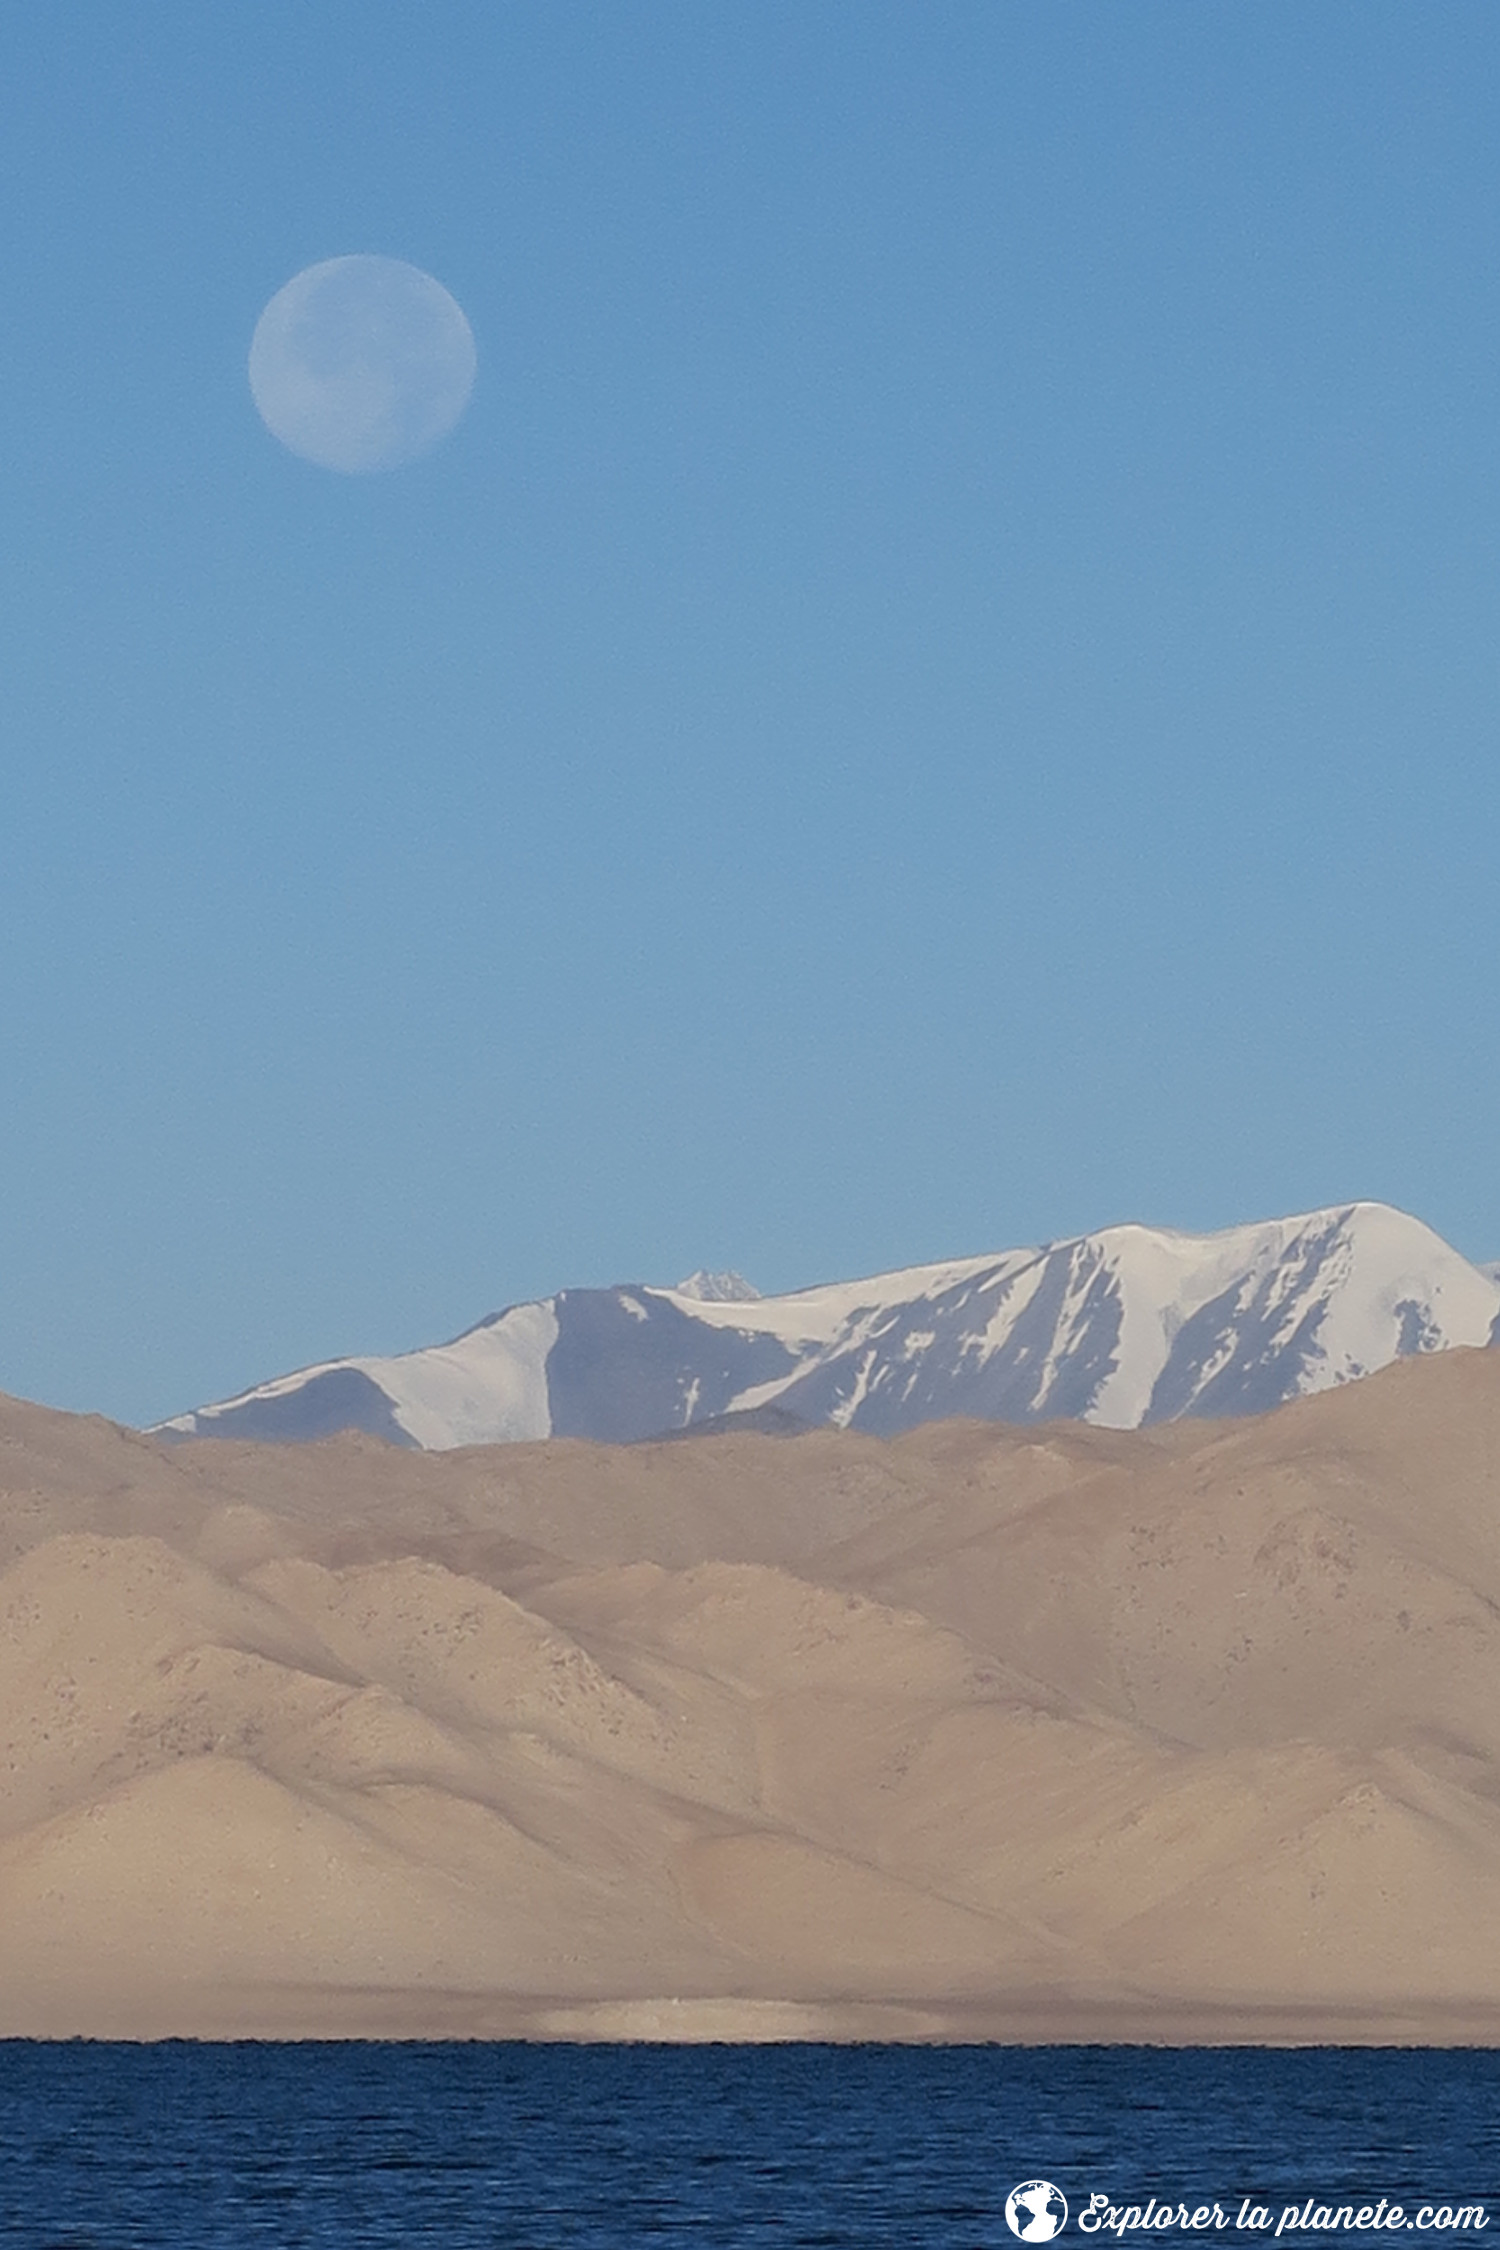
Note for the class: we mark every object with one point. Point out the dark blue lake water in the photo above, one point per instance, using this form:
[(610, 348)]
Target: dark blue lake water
[(540, 2147)]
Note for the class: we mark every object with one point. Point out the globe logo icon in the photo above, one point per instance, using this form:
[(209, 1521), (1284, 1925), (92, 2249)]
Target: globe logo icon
[(1036, 2211)]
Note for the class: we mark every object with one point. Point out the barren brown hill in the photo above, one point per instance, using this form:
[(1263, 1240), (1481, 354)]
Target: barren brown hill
[(1043, 1733)]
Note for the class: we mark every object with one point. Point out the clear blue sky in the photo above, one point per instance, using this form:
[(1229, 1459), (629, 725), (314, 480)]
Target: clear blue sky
[(945, 692)]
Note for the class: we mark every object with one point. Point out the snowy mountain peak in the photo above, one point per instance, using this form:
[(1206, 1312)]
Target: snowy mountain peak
[(1131, 1325), (718, 1288)]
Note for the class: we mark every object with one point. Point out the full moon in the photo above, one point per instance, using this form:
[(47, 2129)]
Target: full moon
[(361, 364)]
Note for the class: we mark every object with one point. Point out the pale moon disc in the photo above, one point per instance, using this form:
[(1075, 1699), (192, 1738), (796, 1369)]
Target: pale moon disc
[(361, 363)]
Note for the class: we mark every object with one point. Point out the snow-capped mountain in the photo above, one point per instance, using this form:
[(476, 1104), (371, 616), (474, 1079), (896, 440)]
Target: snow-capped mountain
[(1126, 1326)]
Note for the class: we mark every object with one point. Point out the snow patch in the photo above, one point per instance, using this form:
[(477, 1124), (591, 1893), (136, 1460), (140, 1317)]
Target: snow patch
[(486, 1388), (727, 1288)]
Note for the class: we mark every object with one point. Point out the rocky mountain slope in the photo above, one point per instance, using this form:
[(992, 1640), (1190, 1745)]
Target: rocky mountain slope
[(1126, 1327), (1063, 1733)]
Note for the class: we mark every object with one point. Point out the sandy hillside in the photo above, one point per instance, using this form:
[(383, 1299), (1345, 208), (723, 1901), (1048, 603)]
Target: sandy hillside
[(1043, 1733)]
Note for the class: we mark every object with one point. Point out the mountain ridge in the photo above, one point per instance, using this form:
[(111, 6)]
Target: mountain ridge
[(1126, 1326)]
